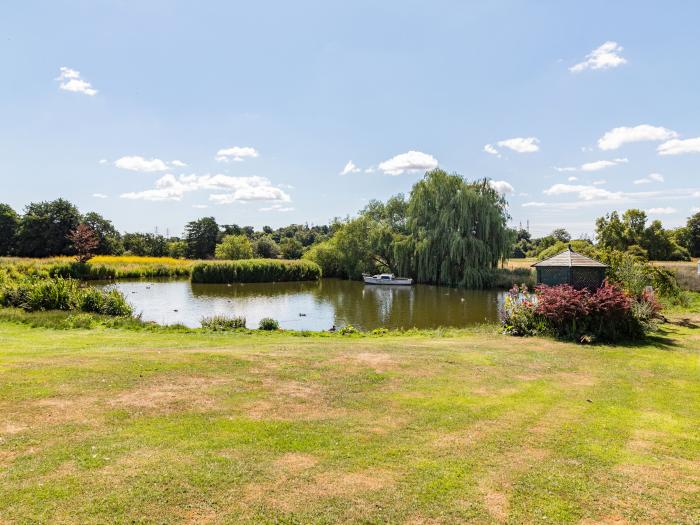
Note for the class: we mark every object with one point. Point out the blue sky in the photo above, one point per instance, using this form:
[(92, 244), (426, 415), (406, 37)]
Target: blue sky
[(574, 108)]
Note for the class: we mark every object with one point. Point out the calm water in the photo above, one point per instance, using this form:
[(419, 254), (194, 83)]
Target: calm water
[(323, 304)]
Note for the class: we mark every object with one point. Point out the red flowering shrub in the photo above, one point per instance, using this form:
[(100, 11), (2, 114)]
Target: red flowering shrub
[(605, 314)]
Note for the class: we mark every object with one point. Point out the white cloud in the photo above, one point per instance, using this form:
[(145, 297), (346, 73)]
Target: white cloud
[(277, 207), (502, 186), (616, 137), (521, 144), (236, 189), (661, 211), (572, 179), (652, 177), (370, 170), (534, 204), (679, 147), (200, 206), (409, 161), (69, 80), (597, 197), (602, 164), (102, 161), (178, 164), (583, 192), (564, 168), (488, 148), (604, 57), (99, 195), (350, 168), (236, 153), (138, 163), (695, 210), (599, 182)]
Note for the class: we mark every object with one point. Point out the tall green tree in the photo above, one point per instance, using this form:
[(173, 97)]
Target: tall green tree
[(9, 223), (234, 247), (457, 231), (561, 235), (266, 248), (291, 248), (201, 236), (693, 235), (109, 239), (631, 233), (145, 244), (44, 228), (610, 232)]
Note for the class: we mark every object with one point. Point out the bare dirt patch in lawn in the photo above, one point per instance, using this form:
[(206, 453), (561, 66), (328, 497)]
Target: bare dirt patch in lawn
[(290, 400), (10, 428), (606, 520), (645, 483), (172, 393), (295, 462), (379, 361), (291, 491)]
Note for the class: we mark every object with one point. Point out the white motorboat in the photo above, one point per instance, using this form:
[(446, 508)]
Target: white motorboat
[(386, 278)]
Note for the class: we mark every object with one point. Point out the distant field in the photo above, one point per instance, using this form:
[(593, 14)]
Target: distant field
[(513, 264), (686, 272)]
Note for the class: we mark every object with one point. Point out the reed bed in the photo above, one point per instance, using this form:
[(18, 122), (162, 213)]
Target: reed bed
[(255, 271), (102, 267)]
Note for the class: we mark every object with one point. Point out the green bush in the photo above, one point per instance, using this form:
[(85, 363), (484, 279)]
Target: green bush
[(223, 322), (582, 315), (267, 323), (580, 246), (348, 330), (634, 274), (327, 255), (234, 247), (255, 271), (36, 294)]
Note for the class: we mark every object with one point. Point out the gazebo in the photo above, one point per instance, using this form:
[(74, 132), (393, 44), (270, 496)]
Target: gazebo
[(570, 267)]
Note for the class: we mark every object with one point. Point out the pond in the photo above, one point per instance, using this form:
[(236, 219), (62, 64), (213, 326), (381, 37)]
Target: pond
[(312, 305)]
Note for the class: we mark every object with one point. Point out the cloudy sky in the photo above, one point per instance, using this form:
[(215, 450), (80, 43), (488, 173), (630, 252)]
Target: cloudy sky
[(155, 113)]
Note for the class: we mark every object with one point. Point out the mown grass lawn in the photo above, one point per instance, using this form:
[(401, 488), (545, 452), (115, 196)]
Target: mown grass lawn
[(114, 426)]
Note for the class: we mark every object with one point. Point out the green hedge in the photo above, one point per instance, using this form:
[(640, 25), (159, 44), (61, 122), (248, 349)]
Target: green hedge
[(255, 271)]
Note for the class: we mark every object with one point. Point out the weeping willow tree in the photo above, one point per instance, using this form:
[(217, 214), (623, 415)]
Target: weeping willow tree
[(457, 231)]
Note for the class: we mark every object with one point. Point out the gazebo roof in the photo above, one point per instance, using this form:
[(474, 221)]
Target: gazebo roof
[(570, 258)]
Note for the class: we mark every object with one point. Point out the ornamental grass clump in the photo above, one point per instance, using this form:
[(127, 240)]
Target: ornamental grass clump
[(518, 313), (223, 323)]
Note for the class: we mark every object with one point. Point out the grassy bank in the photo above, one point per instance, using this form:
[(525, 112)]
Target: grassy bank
[(115, 425), (255, 271)]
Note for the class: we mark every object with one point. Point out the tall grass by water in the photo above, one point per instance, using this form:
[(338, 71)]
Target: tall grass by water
[(101, 267), (46, 293), (255, 271)]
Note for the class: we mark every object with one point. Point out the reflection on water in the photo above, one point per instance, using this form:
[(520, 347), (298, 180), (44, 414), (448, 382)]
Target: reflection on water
[(313, 305)]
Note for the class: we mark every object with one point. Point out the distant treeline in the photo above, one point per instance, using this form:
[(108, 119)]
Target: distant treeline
[(44, 227), (628, 232), (448, 230)]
